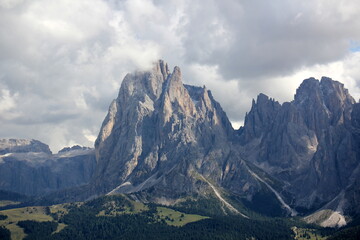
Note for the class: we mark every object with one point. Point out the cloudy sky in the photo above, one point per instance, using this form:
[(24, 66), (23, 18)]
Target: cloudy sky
[(62, 62)]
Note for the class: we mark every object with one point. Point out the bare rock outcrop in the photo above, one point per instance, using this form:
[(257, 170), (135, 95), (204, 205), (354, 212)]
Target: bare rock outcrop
[(310, 143), (163, 140), (161, 135)]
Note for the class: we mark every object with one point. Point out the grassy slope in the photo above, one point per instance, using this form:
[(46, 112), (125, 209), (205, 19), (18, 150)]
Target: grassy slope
[(36, 213), (21, 214), (118, 205), (306, 233), (4, 203), (129, 207), (170, 216), (176, 218), (56, 212)]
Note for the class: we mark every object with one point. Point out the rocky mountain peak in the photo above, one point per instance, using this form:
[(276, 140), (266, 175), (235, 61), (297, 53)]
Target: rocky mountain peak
[(74, 148), (174, 85), (329, 86), (337, 99), (22, 146), (261, 115), (309, 90), (327, 99), (163, 141), (261, 99), (176, 97), (152, 126), (145, 83), (162, 67), (266, 106), (322, 91), (309, 142)]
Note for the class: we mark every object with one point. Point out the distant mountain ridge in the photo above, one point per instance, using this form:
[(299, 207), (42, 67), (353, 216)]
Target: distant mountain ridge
[(22, 145), (28, 167), (166, 142)]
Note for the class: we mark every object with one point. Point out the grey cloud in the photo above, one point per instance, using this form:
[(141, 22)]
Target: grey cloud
[(259, 43), (41, 118), (272, 38), (61, 65)]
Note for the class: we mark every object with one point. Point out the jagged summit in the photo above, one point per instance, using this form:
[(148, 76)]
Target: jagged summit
[(161, 136), (262, 112), (163, 68), (162, 139), (166, 142), (74, 148), (328, 99), (308, 142), (324, 90), (317, 104)]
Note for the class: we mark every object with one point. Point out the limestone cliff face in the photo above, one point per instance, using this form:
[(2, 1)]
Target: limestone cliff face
[(160, 135), (162, 139), (260, 117), (308, 143)]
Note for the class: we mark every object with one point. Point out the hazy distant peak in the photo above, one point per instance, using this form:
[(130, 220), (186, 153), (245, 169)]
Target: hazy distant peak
[(22, 146)]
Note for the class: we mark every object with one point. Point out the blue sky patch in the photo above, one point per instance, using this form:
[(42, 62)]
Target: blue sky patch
[(354, 46)]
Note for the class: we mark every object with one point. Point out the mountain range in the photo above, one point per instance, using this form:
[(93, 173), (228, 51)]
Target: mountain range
[(166, 142), (29, 167)]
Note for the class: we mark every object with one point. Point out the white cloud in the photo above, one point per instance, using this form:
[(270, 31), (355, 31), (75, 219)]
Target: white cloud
[(7, 103), (237, 124), (225, 92), (10, 3), (67, 20), (90, 136), (345, 71)]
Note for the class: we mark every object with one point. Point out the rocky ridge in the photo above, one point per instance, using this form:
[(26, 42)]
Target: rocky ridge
[(164, 141), (23, 145), (310, 143), (28, 167), (161, 136)]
